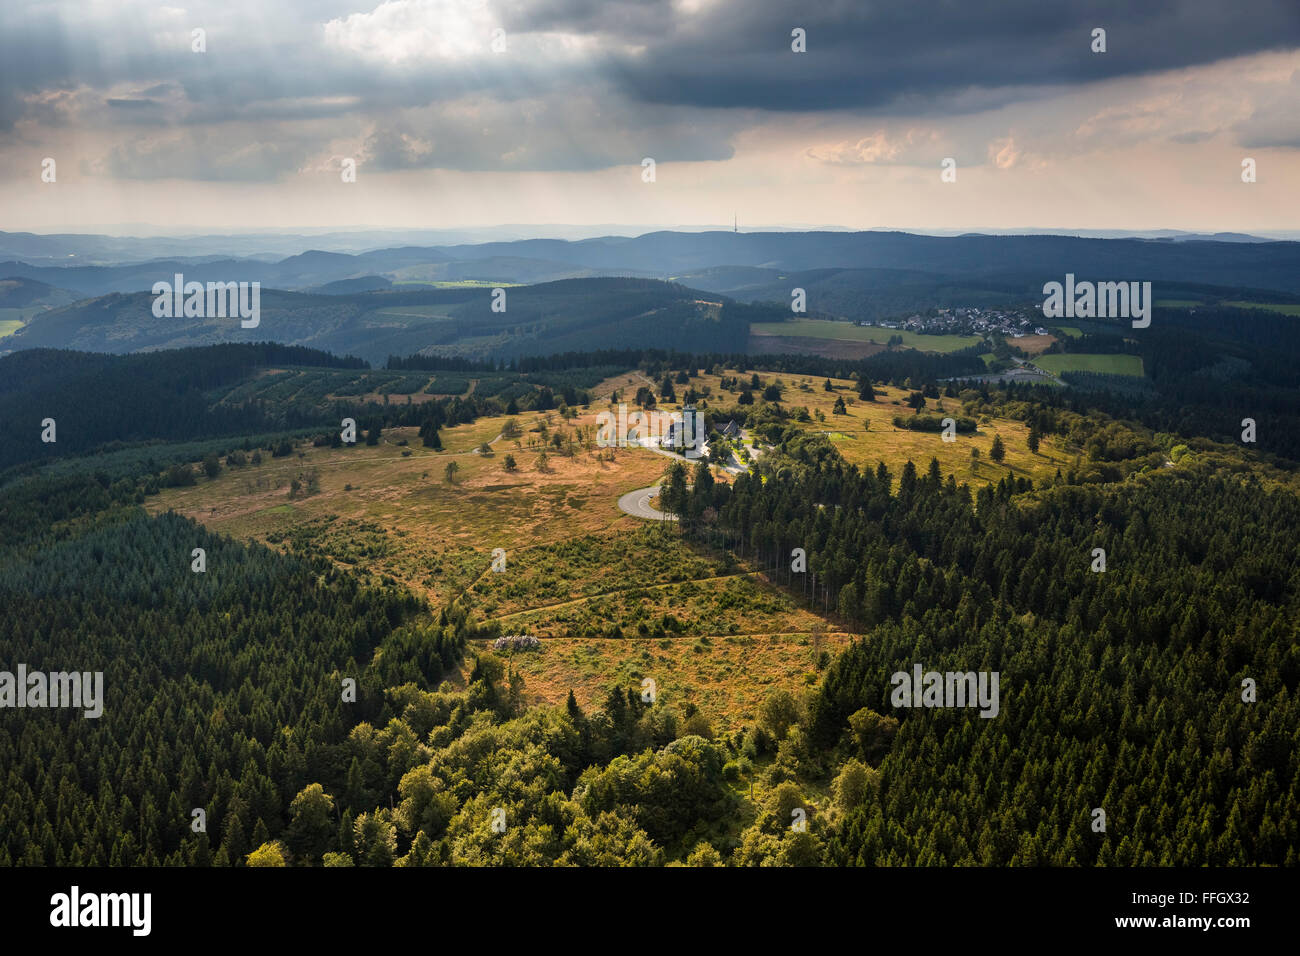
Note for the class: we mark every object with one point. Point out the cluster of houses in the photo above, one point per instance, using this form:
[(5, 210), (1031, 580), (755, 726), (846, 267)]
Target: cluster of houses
[(691, 428), (966, 321)]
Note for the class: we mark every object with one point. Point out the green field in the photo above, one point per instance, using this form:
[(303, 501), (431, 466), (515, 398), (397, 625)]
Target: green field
[(1107, 364), (11, 320), (1068, 330), (848, 332), (1269, 306), (1177, 303)]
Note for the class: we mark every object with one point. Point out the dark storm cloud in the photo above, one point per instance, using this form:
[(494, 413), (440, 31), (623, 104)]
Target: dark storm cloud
[(32, 52), (637, 20), (679, 77), (918, 55)]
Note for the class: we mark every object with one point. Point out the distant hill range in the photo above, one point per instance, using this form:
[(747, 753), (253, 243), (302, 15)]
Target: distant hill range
[(670, 289), (18, 293), (569, 315), (1029, 260), (92, 249)]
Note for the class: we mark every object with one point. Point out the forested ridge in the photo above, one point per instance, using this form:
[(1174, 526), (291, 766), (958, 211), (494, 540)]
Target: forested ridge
[(467, 322), (140, 413), (135, 411), (222, 689), (1206, 369), (224, 694), (1121, 690), (95, 399)]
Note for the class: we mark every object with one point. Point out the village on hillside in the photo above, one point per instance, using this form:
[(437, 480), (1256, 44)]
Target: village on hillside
[(1011, 323)]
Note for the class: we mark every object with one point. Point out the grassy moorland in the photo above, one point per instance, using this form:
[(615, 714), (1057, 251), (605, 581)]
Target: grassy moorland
[(866, 433), (578, 570), (609, 594), (437, 530), (727, 677)]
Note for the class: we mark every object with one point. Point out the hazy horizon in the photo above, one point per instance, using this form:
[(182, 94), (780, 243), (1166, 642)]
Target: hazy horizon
[(473, 113), (600, 230)]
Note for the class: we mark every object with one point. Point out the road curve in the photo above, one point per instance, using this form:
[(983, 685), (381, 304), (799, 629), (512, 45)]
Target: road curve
[(637, 504)]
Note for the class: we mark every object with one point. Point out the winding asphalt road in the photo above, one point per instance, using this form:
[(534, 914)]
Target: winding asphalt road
[(637, 504)]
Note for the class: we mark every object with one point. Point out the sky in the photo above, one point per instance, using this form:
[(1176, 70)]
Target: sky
[(472, 113)]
